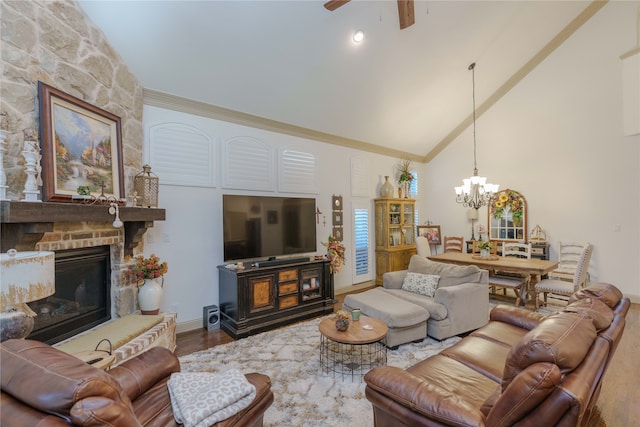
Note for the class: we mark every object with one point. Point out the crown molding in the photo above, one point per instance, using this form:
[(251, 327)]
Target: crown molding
[(630, 53)]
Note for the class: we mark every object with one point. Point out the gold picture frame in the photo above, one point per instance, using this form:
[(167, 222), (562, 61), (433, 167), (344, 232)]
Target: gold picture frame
[(336, 203), (337, 218), (81, 147), (338, 234)]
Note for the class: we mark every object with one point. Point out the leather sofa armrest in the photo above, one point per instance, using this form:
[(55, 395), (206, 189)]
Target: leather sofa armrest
[(16, 413), (139, 374), (525, 393), (253, 414), (98, 410), (393, 279), (418, 395), (515, 316)]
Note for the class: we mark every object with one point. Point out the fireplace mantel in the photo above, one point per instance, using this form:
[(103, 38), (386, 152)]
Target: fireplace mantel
[(24, 223)]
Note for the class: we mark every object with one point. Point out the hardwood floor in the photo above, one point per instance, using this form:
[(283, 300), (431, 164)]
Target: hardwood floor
[(618, 402), (200, 339)]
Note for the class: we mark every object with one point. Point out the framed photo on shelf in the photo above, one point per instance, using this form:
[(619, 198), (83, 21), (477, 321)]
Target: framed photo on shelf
[(431, 232), (81, 147)]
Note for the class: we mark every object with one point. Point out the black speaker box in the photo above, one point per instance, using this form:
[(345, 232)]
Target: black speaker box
[(211, 317)]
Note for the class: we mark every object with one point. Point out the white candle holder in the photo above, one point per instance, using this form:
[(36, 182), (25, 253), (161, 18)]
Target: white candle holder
[(30, 155), (3, 176)]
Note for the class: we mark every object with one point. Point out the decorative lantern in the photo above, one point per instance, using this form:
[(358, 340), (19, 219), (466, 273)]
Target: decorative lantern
[(146, 185)]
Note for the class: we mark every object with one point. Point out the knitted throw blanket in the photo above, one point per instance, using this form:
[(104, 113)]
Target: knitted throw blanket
[(202, 399)]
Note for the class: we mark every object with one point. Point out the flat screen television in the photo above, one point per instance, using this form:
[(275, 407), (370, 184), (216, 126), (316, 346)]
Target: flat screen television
[(258, 227)]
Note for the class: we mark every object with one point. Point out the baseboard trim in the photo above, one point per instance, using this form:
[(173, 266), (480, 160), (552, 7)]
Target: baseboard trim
[(635, 299), (188, 326)]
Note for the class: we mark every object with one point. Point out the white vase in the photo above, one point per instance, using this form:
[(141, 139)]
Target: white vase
[(386, 190), (149, 296), (484, 253)]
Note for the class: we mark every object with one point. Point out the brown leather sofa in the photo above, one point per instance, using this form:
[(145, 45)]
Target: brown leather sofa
[(43, 386), (521, 368)]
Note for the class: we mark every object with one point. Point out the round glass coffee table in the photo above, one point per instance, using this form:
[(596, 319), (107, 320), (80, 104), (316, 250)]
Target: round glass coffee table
[(354, 352)]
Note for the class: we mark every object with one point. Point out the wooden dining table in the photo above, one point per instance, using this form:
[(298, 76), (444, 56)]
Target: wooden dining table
[(533, 267)]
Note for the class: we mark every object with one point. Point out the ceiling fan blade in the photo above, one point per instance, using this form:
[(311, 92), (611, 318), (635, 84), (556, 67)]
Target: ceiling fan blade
[(406, 14), (334, 4)]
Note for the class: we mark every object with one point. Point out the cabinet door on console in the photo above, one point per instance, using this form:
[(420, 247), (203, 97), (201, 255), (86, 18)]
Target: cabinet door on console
[(261, 295), (311, 284)]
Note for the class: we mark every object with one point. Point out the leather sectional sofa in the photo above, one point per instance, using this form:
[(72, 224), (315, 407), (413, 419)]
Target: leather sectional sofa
[(43, 386), (522, 368)]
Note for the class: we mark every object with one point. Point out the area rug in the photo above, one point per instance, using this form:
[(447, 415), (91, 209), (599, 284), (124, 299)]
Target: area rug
[(303, 394)]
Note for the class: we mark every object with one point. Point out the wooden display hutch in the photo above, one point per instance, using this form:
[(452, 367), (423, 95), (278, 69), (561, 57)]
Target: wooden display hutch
[(257, 299), (395, 235)]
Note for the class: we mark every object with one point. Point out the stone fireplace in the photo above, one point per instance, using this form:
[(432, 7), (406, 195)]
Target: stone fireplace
[(77, 59), (70, 230)]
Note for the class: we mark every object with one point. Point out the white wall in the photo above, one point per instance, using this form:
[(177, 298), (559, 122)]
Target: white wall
[(557, 138), (191, 237)]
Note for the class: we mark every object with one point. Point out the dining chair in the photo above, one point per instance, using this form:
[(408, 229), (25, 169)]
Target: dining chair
[(423, 248), (562, 287), (453, 243), (505, 280), (568, 257), (519, 250)]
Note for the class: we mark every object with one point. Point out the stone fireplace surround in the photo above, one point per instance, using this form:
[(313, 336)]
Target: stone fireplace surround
[(59, 226)]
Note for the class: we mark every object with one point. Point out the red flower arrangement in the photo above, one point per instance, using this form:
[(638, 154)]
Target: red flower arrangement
[(335, 253), (147, 268)]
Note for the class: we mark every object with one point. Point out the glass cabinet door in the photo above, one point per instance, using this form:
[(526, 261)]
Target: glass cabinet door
[(311, 284), (408, 225), (395, 224)]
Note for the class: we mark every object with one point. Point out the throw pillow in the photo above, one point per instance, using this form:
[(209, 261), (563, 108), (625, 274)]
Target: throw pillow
[(423, 284)]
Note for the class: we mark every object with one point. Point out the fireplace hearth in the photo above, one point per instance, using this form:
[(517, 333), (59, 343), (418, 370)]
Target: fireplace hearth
[(83, 295)]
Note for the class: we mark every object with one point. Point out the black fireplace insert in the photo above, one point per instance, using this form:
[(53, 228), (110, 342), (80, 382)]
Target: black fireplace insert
[(83, 295)]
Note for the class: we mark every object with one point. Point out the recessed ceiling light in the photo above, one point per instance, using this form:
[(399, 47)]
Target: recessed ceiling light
[(358, 36)]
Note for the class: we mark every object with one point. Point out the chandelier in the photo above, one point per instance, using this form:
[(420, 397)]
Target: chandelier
[(475, 192)]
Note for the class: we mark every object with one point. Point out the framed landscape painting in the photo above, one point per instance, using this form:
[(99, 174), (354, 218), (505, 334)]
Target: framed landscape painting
[(81, 147)]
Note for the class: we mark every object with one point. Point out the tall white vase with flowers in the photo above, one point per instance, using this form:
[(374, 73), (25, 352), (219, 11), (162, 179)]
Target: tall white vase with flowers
[(149, 272)]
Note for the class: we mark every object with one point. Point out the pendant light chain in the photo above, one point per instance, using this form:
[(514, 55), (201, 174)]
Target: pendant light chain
[(472, 67)]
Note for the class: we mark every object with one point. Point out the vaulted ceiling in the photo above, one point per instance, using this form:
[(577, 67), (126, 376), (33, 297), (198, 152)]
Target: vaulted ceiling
[(295, 63)]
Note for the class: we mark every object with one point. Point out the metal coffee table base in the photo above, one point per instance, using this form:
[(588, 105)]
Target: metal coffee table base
[(350, 360)]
